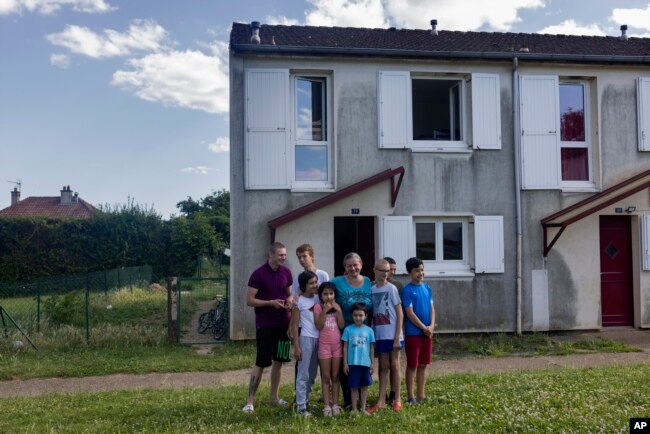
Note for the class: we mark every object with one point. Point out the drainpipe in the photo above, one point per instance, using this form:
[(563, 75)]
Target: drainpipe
[(517, 144)]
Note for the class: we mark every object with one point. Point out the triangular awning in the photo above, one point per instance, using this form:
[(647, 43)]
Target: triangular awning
[(341, 194), (592, 204)]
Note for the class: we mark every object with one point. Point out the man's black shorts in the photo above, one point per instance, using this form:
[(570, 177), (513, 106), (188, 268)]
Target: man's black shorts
[(272, 344)]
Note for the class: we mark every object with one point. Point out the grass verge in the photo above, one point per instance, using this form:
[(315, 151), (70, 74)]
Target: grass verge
[(567, 400)]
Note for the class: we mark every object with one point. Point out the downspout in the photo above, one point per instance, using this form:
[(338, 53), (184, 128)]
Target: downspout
[(517, 143)]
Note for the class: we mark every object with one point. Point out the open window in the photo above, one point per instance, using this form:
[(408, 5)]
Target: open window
[(434, 112)]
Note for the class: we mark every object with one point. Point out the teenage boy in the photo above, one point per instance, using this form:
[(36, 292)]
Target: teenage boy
[(417, 299), (391, 278), (305, 254)]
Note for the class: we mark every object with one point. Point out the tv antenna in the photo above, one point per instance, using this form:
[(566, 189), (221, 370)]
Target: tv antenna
[(17, 182)]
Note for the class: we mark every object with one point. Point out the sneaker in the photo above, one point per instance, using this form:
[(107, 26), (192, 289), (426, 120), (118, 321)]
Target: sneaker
[(374, 408), (248, 408), (413, 401), (336, 410), (327, 411), (397, 406), (304, 413), (280, 402)]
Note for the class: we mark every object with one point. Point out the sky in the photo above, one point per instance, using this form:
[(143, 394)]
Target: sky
[(128, 99)]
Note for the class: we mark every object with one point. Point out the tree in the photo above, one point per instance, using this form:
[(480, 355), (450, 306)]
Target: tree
[(215, 207)]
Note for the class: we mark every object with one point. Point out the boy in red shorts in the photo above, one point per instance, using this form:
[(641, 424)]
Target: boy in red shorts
[(417, 299)]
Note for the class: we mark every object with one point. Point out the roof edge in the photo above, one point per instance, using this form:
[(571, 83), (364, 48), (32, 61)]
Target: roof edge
[(384, 52), (334, 197)]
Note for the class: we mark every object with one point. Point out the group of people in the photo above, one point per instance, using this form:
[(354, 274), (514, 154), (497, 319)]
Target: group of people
[(341, 325)]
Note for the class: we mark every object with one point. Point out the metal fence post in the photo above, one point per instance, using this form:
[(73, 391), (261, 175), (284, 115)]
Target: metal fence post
[(38, 308), (87, 314), (105, 285)]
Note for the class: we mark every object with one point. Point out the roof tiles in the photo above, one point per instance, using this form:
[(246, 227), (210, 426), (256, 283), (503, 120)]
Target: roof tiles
[(49, 207), (422, 41)]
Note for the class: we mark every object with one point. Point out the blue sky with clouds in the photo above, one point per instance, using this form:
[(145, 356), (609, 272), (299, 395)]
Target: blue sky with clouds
[(129, 98)]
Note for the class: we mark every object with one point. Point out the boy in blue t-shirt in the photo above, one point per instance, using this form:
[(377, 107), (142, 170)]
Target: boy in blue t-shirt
[(358, 348), (417, 299)]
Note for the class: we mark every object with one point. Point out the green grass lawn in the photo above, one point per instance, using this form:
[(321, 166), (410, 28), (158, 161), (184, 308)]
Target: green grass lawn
[(568, 400)]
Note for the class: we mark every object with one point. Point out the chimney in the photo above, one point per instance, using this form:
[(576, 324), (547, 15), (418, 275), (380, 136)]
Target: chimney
[(623, 30), (255, 28), (15, 196), (66, 195), (434, 31)]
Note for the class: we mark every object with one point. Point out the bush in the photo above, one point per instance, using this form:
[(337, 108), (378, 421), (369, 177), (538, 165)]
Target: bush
[(68, 309)]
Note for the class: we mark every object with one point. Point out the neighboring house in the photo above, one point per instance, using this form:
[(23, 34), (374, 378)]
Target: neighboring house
[(517, 166), (66, 206)]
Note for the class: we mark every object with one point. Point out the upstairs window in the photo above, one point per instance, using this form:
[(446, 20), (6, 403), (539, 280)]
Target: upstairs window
[(574, 143), (288, 133), (311, 139), (555, 133), (433, 112), (437, 110)]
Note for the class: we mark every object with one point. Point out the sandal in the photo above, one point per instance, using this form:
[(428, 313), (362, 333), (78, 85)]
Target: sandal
[(374, 408), (397, 406)]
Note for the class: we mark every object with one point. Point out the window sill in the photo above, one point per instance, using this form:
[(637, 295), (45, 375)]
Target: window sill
[(313, 190), (586, 189), (433, 274), (442, 150)]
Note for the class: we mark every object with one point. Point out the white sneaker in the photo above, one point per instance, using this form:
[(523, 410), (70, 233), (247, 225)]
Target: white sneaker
[(304, 413), (248, 408)]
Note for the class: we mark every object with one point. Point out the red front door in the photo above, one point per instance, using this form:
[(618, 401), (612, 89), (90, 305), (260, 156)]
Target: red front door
[(616, 271)]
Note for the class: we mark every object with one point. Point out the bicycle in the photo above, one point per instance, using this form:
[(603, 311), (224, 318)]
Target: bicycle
[(216, 319)]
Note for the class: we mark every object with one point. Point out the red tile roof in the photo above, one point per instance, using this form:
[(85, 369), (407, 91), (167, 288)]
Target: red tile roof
[(49, 207), (312, 40)]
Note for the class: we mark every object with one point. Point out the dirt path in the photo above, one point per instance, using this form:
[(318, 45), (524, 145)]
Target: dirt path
[(50, 386)]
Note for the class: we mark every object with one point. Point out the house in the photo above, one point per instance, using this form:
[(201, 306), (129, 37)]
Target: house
[(517, 166), (66, 206)]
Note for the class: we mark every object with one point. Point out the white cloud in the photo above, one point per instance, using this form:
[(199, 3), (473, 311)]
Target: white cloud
[(285, 21), (346, 13), (464, 15), (639, 18), (222, 144), (188, 78), (142, 35), (48, 7), (60, 60), (570, 27), (198, 170)]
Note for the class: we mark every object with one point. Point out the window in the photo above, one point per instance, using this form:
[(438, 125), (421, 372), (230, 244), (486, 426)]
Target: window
[(442, 244), (445, 244), (437, 109), (431, 112), (312, 151), (288, 132), (574, 138), (555, 133)]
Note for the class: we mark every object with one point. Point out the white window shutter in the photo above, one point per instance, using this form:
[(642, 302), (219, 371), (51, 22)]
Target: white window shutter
[(397, 239), (488, 244), (394, 108), (540, 132), (486, 111), (267, 129), (645, 244), (643, 112)]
